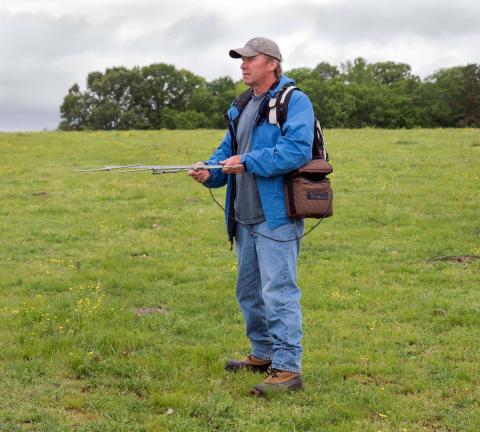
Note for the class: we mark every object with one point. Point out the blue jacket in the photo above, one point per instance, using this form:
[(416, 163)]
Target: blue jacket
[(272, 154)]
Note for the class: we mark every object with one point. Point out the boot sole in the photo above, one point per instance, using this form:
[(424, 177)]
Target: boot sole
[(259, 389)]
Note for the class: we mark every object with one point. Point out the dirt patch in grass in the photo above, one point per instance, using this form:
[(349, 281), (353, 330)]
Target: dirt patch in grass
[(150, 311), (464, 259), (365, 379), (440, 311), (41, 194), (407, 142), (79, 415)]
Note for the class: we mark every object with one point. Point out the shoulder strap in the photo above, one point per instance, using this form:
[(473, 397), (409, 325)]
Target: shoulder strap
[(277, 114), (275, 105), (320, 140)]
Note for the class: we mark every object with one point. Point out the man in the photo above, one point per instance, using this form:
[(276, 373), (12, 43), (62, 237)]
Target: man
[(266, 289)]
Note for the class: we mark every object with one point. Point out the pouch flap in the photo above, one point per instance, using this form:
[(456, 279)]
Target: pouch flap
[(316, 166)]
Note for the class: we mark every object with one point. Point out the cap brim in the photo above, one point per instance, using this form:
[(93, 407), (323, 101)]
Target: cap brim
[(245, 52)]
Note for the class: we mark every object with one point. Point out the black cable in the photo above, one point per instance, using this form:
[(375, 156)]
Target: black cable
[(263, 235)]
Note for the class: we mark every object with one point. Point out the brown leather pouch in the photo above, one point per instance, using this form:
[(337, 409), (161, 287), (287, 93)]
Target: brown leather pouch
[(308, 192)]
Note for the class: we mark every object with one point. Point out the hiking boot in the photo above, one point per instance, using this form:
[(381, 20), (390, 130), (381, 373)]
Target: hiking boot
[(251, 363), (278, 381)]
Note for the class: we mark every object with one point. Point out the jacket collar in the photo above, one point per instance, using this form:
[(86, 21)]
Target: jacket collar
[(279, 83)]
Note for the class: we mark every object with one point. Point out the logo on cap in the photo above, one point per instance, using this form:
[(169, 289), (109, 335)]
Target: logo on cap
[(253, 42)]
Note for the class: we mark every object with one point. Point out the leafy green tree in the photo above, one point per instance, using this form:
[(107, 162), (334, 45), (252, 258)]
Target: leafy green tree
[(382, 94), (202, 101), (326, 71), (314, 89), (299, 75), (74, 110), (359, 72), (185, 120), (168, 87), (192, 120), (400, 113), (389, 106), (338, 105), (115, 99), (223, 92), (213, 100), (167, 118), (118, 97), (471, 74), (390, 72), (240, 87), (445, 98)]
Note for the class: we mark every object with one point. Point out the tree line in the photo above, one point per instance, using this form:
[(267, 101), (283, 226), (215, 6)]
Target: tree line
[(357, 94)]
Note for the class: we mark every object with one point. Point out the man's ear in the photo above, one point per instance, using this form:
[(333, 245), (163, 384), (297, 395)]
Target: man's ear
[(272, 66)]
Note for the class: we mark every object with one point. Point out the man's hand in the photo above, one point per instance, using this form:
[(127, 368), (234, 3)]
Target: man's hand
[(200, 176), (234, 160)]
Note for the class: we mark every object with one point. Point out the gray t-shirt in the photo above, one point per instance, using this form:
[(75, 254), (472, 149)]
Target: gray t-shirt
[(248, 207)]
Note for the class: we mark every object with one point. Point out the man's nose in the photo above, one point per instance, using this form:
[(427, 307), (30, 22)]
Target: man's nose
[(243, 65)]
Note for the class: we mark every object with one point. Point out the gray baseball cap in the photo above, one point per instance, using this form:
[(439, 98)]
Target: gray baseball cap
[(256, 46)]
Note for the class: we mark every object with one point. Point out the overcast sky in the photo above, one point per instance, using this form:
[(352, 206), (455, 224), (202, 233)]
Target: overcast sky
[(48, 45)]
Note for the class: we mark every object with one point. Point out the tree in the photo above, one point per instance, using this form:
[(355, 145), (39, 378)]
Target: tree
[(382, 94), (120, 95), (301, 74), (168, 87), (113, 100), (240, 87), (358, 72), (74, 110), (445, 101), (202, 101), (390, 72), (313, 89), (192, 120), (471, 74), (214, 100), (393, 105), (338, 105), (326, 71), (223, 91)]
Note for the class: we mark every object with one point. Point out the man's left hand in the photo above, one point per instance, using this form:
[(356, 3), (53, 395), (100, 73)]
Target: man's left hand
[(234, 160)]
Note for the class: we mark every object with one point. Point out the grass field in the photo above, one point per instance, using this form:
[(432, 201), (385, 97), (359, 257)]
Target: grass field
[(391, 320)]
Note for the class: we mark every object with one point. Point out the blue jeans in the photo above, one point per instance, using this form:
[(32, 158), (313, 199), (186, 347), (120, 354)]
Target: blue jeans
[(268, 293)]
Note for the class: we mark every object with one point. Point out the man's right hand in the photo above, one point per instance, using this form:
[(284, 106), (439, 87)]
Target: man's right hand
[(200, 176)]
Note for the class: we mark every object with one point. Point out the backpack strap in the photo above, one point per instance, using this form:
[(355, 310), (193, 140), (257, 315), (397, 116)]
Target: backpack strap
[(277, 112), (320, 140), (275, 105)]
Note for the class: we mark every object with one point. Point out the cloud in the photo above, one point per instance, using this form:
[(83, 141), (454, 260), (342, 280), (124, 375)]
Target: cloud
[(383, 21), (54, 44), (45, 37), (31, 82), (196, 33)]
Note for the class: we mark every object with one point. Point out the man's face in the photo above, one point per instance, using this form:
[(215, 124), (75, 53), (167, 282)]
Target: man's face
[(256, 70)]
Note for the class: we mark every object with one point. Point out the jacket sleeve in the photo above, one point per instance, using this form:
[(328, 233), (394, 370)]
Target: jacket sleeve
[(293, 149), (217, 177)]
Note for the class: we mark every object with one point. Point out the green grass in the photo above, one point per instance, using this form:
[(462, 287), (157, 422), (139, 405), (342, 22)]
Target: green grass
[(391, 325)]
